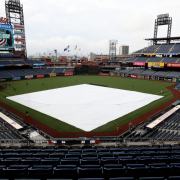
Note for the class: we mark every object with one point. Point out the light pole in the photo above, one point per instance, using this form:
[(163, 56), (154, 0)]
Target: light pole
[(56, 56)]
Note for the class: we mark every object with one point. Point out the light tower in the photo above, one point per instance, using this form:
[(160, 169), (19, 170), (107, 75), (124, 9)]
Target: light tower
[(112, 49)]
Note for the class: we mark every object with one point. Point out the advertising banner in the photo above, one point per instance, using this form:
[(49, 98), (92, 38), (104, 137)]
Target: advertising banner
[(53, 75), (171, 54), (133, 75), (111, 74), (60, 74), (139, 63), (18, 26), (166, 79), (156, 64), (103, 74), (19, 33), (151, 54), (6, 37), (174, 80), (3, 20), (16, 78), (29, 77), (20, 39), (10, 121), (173, 65), (40, 76), (2, 80), (69, 73), (20, 45)]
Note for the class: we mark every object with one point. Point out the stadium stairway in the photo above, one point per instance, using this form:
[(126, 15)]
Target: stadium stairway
[(162, 59), (172, 48), (157, 48), (168, 73)]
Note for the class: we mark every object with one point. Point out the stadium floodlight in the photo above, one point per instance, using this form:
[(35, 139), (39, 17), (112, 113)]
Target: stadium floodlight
[(163, 19), (112, 49)]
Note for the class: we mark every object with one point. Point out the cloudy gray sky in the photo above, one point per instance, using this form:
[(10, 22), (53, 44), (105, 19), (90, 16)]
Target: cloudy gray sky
[(90, 24)]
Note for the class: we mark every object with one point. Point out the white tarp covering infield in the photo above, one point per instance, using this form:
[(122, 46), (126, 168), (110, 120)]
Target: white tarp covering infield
[(85, 106)]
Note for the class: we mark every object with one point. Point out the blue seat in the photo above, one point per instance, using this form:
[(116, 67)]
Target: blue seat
[(160, 171), (57, 155), (102, 150), (75, 150), (42, 171), (90, 171), (151, 178), (89, 150), (137, 171), (127, 161), (173, 177), (65, 171), (41, 155), (109, 160), (16, 171), (89, 154), (115, 150), (50, 161), (11, 161), (122, 178), (91, 179), (34, 150), (31, 161), (73, 154), (89, 160), (25, 155), (70, 161), (116, 154), (114, 170), (61, 150), (145, 160), (9, 155), (105, 154), (47, 150)]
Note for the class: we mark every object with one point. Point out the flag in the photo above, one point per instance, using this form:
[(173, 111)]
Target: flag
[(65, 49), (75, 47), (79, 49)]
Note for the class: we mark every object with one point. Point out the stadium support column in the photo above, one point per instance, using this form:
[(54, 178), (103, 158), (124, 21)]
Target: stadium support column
[(155, 32)]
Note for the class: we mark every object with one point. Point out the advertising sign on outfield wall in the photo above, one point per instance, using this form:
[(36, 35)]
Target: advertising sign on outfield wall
[(60, 74), (103, 74), (139, 63), (133, 75), (156, 64), (40, 76), (16, 78), (173, 65), (69, 73), (52, 74), (29, 77)]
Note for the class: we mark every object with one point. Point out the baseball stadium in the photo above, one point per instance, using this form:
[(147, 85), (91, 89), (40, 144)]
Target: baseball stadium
[(81, 120)]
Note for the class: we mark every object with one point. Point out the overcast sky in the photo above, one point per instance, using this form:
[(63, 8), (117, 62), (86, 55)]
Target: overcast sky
[(90, 24)]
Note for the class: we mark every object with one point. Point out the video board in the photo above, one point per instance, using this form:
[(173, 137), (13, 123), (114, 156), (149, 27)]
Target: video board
[(6, 37)]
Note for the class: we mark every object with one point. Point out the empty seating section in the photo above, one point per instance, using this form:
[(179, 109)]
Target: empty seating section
[(4, 74), (155, 59), (131, 59), (58, 70), (40, 70), (141, 59), (137, 71), (5, 62), (165, 48), (17, 72), (18, 62), (170, 60), (29, 71), (29, 62), (49, 70), (139, 163), (148, 72), (174, 74), (125, 71), (151, 49), (161, 73), (176, 49)]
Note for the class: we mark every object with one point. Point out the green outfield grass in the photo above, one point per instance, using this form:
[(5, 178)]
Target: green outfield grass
[(145, 86)]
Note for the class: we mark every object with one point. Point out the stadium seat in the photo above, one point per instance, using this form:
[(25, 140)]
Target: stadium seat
[(11, 161), (89, 154), (41, 155), (114, 170), (89, 160), (25, 155), (65, 171), (16, 171), (50, 161), (57, 155), (31, 161), (67, 161), (42, 171), (173, 177), (91, 179), (122, 178), (109, 160), (151, 178), (90, 171)]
